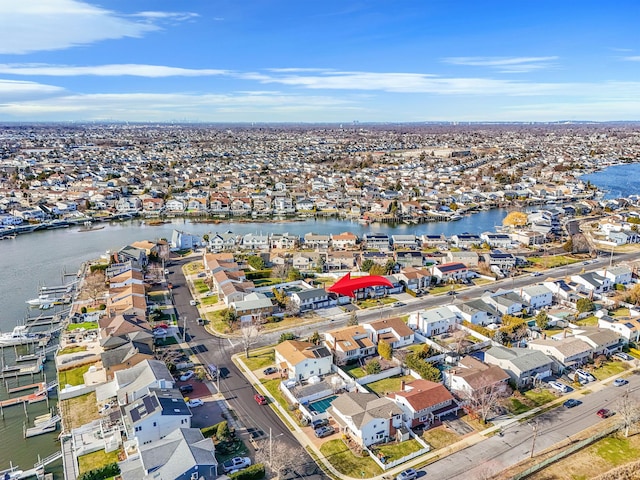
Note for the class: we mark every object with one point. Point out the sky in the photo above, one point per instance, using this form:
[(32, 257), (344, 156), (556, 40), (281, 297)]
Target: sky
[(319, 61)]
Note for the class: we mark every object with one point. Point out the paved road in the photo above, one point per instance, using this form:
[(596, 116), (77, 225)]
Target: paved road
[(498, 453), (258, 420)]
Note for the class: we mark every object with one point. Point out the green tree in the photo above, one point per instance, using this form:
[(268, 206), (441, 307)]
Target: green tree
[(223, 433), (367, 264), (315, 338), (280, 297), (585, 305), (373, 367), (256, 262), (228, 316), (286, 336), (542, 319), (377, 270), (389, 266), (426, 370), (568, 245), (293, 275), (385, 350)]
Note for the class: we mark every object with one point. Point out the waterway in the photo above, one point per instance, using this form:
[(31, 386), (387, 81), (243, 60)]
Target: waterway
[(617, 181)]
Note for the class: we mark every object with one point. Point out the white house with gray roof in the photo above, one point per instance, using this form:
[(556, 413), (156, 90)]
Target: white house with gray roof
[(311, 299), (603, 342), (506, 302), (523, 365), (254, 305), (591, 282), (434, 321), (476, 311), (569, 352), (132, 383), (183, 454), (366, 418), (538, 296), (619, 274)]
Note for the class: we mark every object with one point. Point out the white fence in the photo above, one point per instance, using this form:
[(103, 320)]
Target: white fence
[(386, 466), (390, 372)]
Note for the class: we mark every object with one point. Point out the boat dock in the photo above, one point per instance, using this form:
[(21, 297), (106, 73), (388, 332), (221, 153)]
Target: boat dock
[(31, 386), (13, 371), (42, 424), (42, 320)]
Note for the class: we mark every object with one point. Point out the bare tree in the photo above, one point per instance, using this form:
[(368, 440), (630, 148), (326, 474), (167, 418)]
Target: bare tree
[(291, 308), (94, 285), (485, 396), (628, 412), (278, 457), (459, 337), (249, 334)]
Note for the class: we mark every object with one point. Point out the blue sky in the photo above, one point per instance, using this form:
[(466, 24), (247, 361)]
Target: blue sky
[(319, 61)]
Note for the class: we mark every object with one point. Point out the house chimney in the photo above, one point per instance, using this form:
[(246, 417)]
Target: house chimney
[(402, 385)]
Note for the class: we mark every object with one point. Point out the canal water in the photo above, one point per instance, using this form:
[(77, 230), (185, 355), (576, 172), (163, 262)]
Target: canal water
[(617, 181)]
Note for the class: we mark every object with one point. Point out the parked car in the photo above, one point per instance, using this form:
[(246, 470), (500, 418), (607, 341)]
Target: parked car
[(187, 375), (408, 474), (200, 321), (620, 382), (399, 304), (320, 422), (236, 463), (195, 402), (585, 375), (159, 332), (186, 388), (561, 387), (193, 303), (604, 413), (324, 431), (572, 402), (270, 370), (450, 292), (260, 399), (622, 356)]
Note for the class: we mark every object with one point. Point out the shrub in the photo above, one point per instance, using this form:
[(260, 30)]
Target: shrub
[(108, 471), (286, 336), (258, 274), (83, 310), (373, 367), (253, 472)]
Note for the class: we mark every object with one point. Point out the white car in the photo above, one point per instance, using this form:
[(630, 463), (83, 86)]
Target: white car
[(561, 387), (187, 375), (195, 402), (236, 463)]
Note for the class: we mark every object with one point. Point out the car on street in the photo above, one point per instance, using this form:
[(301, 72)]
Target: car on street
[(408, 474), (193, 303), (186, 388), (270, 370), (572, 402), (324, 431), (622, 356), (186, 376), (236, 463), (200, 321), (452, 292), (399, 304), (536, 274), (260, 399), (159, 332), (620, 382), (195, 402), (320, 422), (604, 413), (561, 387)]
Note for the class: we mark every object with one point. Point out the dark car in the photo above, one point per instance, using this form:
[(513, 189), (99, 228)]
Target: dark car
[(186, 388), (572, 402), (324, 431), (321, 422), (270, 370)]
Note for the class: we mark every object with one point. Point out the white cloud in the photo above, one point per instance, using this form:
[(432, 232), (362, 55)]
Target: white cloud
[(11, 90), (505, 64), (38, 25), (137, 70), (632, 59)]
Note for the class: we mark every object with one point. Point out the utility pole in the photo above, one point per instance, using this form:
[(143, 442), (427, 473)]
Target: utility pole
[(184, 329)]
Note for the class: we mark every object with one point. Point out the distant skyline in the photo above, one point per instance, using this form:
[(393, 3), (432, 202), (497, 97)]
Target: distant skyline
[(319, 61)]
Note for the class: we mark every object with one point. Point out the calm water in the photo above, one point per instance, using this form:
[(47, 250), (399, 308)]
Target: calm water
[(618, 181)]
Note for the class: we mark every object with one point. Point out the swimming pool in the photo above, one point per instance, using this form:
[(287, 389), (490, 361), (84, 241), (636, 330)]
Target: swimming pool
[(320, 406)]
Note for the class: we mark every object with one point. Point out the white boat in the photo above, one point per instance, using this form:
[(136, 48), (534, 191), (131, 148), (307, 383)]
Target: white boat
[(43, 299), (18, 336)]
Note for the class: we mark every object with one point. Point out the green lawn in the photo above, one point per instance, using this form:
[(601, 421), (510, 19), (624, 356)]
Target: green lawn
[(73, 376), (267, 282), (160, 342), (86, 325), (216, 322), (616, 450), (211, 300), (395, 451), (619, 312), (339, 455), (391, 384), (194, 267), (590, 321), (200, 286), (552, 261), (75, 349), (516, 407), (273, 387), (440, 437), (370, 302), (259, 359), (157, 296), (609, 369), (540, 396), (94, 460), (354, 370)]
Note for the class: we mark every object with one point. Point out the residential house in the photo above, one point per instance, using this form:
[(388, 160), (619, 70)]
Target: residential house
[(603, 342), (523, 365), (284, 241), (568, 352), (254, 306), (126, 278), (183, 454), (446, 272), (434, 321), (340, 260), (434, 241), (466, 240), (311, 299), (156, 415), (130, 384), (317, 241), (414, 278), (537, 296), (424, 402), (506, 302), (302, 360), (138, 256), (409, 258), (376, 241), (504, 261), (219, 242), (617, 274), (408, 242), (627, 328), (379, 258), (561, 290), (470, 259), (392, 330), (344, 241), (306, 261), (255, 242), (470, 375), (175, 205), (476, 311), (496, 240), (349, 343), (365, 418), (184, 241), (529, 238), (591, 282), (623, 237)]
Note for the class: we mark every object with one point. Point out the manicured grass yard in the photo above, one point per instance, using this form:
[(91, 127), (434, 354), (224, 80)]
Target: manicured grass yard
[(395, 451), (370, 302), (272, 387), (94, 460), (609, 369), (68, 350), (206, 301), (200, 286), (533, 398), (193, 267), (86, 325), (440, 437), (74, 375), (590, 321), (157, 296), (259, 360), (391, 384), (552, 261), (354, 370), (347, 463), (266, 282), (619, 312)]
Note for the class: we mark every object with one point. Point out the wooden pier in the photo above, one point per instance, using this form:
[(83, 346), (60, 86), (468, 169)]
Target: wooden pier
[(38, 396), (14, 371), (31, 386)]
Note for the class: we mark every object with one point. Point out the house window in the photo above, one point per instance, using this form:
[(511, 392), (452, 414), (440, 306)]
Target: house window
[(155, 424), (138, 429)]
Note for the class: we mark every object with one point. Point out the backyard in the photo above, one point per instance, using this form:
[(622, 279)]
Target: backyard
[(393, 451), (520, 403), (73, 376), (94, 460), (347, 463), (440, 437), (387, 385), (78, 411), (259, 359)]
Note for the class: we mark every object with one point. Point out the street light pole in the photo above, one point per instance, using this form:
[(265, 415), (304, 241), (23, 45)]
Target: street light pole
[(184, 329)]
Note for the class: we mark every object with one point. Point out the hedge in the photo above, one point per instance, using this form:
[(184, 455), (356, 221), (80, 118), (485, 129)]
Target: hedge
[(258, 274), (108, 471), (253, 472)]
